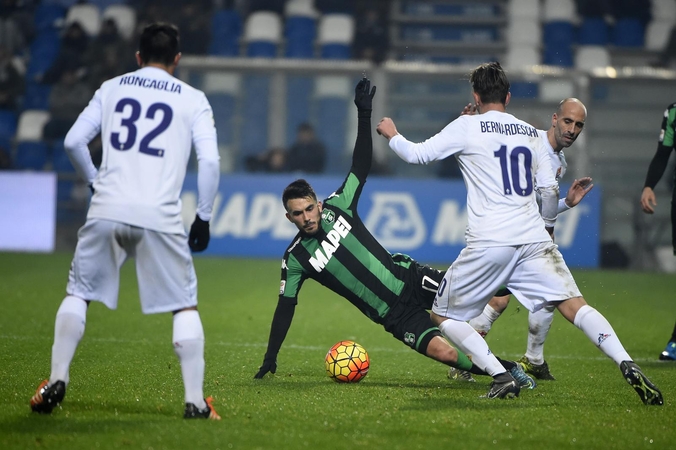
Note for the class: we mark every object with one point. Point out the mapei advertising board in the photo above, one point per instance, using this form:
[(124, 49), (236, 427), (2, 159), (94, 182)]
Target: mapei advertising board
[(422, 218)]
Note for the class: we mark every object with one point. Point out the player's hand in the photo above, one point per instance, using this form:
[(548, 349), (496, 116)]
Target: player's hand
[(198, 239), (468, 110), (578, 190), (362, 97), (268, 366), (386, 128), (648, 200)]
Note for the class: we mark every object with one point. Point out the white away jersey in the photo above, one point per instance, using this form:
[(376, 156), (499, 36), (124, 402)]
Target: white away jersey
[(559, 164), (148, 122), (499, 156)]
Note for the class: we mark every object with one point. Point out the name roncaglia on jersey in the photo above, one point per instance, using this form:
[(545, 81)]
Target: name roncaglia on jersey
[(329, 246), (508, 129), (161, 85)]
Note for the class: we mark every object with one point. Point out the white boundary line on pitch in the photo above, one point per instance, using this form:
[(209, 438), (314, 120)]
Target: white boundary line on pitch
[(263, 345)]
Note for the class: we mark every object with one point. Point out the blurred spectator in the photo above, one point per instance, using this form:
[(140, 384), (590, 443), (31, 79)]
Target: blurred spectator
[(67, 99), (270, 161), (307, 154), (11, 81), (15, 27), (74, 44), (108, 55), (371, 39), (195, 25)]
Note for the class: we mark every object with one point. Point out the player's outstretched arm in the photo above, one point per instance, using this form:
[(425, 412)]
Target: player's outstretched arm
[(578, 190), (281, 322), (362, 156)]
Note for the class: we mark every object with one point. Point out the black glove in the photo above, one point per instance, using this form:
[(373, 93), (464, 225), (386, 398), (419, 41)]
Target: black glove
[(268, 366), (198, 240), (362, 97)]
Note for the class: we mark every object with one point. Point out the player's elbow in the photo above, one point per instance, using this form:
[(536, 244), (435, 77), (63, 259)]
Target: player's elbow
[(72, 141)]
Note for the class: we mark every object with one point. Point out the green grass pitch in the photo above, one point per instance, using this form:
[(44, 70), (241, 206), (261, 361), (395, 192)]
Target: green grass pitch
[(126, 390)]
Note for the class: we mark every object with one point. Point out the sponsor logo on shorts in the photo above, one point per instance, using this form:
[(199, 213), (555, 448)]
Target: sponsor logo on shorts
[(409, 339)]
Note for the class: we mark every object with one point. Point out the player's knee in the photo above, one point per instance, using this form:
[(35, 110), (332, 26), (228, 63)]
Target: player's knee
[(499, 304)]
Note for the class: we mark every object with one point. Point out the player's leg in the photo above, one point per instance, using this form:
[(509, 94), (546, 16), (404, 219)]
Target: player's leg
[(167, 282), (669, 353), (467, 287), (483, 322), (533, 362), (543, 274), (94, 275)]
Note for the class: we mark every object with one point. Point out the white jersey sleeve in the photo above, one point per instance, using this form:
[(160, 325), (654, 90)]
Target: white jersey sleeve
[(149, 121)]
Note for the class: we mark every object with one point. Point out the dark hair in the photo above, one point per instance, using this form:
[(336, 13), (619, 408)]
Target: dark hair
[(490, 83), (298, 189), (159, 43)]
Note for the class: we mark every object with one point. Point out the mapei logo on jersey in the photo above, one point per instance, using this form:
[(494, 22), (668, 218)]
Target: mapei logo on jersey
[(602, 337), (329, 245), (328, 216)]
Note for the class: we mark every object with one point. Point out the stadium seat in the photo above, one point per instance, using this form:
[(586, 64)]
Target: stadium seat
[(657, 35), (47, 16), (254, 131), (333, 98), (88, 15), (299, 95), (60, 160), (664, 10), (262, 34), (300, 29), (31, 123), (558, 10), (558, 56), (36, 96), (523, 56), (8, 125), (628, 32), (588, 57), (523, 9), (222, 90), (31, 155), (124, 17), (558, 34), (336, 32), (524, 32), (43, 52), (226, 30), (593, 31), (555, 90)]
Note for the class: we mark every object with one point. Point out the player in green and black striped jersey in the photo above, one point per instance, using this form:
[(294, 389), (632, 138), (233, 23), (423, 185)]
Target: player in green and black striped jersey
[(658, 165), (334, 248)]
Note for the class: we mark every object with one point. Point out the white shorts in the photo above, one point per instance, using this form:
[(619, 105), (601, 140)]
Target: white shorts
[(164, 266), (536, 274)]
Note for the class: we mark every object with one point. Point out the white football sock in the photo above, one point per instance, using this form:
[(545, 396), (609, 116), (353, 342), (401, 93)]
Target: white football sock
[(539, 323), (69, 327), (601, 333), (471, 343), (483, 322), (188, 339)]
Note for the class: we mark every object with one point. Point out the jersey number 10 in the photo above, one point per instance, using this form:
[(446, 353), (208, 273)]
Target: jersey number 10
[(130, 124), (514, 169)]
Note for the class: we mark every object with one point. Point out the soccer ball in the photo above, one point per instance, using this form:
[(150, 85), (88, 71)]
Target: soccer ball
[(347, 362)]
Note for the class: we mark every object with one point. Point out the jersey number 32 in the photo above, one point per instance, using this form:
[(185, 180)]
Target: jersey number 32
[(129, 123)]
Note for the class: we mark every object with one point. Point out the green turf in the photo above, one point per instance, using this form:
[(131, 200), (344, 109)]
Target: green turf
[(126, 389)]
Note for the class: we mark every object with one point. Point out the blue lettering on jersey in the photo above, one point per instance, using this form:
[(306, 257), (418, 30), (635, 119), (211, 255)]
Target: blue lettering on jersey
[(149, 83), (329, 246), (508, 129)]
